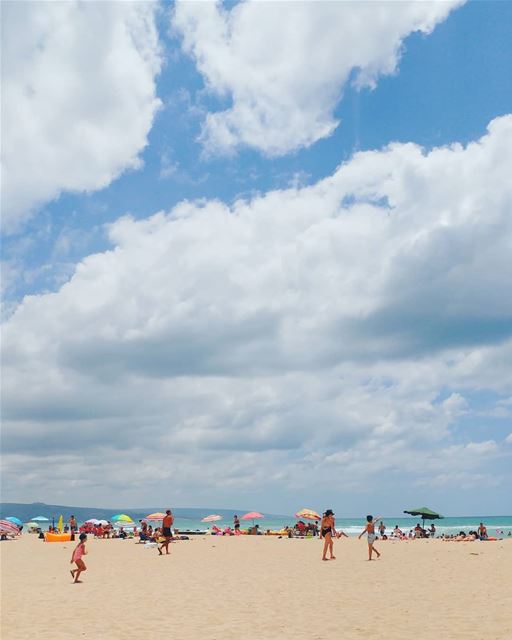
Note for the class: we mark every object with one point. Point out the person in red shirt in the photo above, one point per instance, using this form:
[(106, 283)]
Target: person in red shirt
[(166, 532)]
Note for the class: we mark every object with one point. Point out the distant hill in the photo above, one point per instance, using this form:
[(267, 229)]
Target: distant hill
[(26, 512)]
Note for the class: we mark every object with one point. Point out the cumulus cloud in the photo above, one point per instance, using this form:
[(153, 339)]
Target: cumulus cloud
[(284, 68), (78, 97), (314, 328)]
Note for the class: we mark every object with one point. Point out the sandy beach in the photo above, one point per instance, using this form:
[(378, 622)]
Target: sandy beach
[(258, 587)]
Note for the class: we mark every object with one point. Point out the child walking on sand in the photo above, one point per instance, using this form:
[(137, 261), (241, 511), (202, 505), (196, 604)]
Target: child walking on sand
[(370, 531), (77, 558)]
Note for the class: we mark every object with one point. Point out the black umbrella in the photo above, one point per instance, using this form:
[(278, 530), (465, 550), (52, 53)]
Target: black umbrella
[(425, 514)]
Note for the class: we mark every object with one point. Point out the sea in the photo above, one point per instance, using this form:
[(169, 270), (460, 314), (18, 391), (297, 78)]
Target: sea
[(498, 526)]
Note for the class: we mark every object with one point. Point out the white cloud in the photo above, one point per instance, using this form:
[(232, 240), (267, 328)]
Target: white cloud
[(284, 66), (78, 97), (304, 330)]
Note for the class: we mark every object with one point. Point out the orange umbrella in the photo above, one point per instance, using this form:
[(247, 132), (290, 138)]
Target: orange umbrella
[(155, 516), (308, 514)]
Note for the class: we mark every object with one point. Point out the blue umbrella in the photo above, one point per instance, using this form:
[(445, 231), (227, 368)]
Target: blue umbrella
[(40, 519), (15, 520)]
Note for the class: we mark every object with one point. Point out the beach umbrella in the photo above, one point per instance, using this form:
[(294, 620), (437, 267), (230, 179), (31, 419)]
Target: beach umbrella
[(122, 518), (15, 520), (155, 516), (308, 514), (93, 521), (8, 527), (40, 519), (424, 513), (252, 515), (32, 525), (213, 518)]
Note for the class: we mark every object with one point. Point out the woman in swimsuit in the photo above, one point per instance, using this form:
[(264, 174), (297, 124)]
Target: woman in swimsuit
[(370, 531), (327, 530)]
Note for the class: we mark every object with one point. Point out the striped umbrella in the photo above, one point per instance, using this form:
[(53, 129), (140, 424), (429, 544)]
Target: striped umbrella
[(308, 514), (213, 518), (8, 527), (122, 518)]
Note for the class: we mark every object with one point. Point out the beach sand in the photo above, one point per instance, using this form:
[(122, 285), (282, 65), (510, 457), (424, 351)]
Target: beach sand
[(258, 588)]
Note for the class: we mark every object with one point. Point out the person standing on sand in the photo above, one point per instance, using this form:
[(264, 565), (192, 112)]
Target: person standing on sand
[(327, 531), (167, 523), (76, 557), (382, 528), (236, 523), (370, 530)]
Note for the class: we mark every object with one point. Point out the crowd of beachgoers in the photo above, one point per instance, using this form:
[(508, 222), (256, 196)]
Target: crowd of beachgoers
[(145, 531), (158, 532)]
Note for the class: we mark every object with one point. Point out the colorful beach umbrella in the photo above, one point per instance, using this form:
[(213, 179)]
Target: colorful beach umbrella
[(424, 513), (213, 518), (15, 520), (155, 516), (122, 517), (8, 527), (252, 515), (308, 514)]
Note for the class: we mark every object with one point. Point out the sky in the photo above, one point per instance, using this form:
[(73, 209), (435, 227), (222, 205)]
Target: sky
[(257, 254)]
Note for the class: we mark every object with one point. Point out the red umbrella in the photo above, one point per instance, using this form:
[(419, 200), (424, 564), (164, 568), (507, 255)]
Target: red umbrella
[(252, 515), (7, 527)]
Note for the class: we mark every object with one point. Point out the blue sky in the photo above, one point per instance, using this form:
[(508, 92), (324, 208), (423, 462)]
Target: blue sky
[(404, 353), (448, 87)]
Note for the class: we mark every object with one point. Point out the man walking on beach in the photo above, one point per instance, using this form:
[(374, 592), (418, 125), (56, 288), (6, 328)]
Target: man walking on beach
[(166, 531)]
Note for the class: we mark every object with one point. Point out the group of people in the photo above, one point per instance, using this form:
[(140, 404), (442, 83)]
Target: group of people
[(162, 535), (328, 532), (471, 536), (417, 532)]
